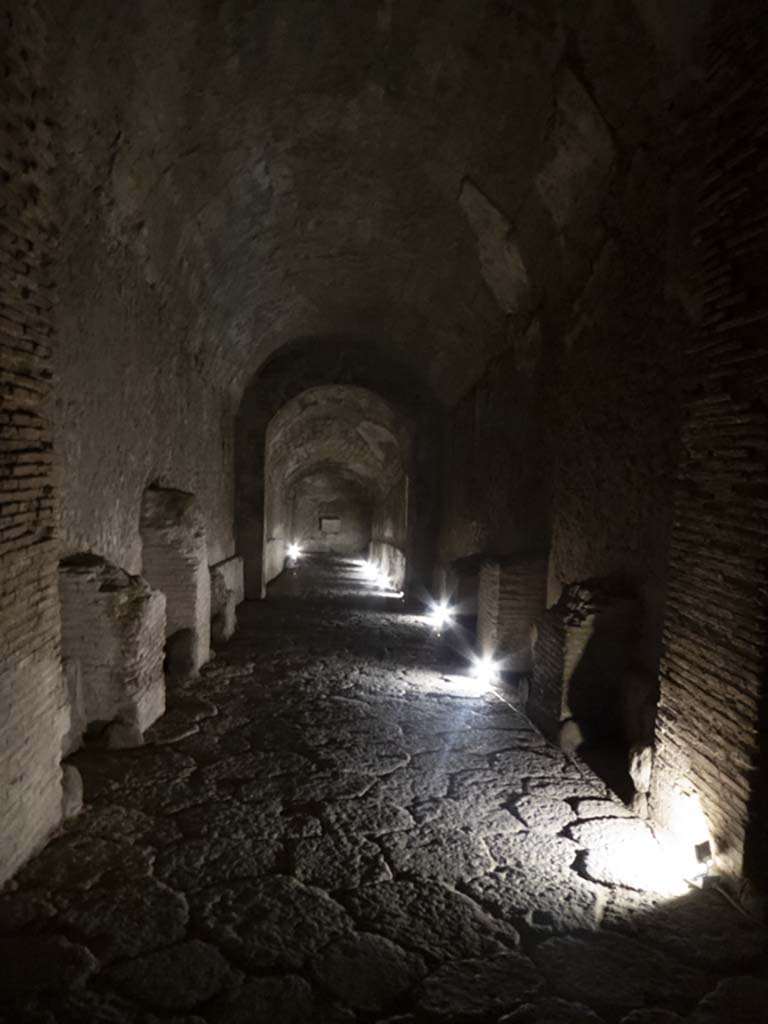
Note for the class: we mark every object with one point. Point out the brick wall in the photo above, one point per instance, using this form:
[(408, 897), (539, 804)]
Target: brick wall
[(715, 639), (113, 640), (32, 715), (176, 563), (512, 596)]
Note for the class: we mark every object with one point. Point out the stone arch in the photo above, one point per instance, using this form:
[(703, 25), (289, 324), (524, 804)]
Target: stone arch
[(336, 361), (327, 429)]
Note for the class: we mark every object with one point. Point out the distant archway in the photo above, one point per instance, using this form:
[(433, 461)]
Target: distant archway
[(403, 408)]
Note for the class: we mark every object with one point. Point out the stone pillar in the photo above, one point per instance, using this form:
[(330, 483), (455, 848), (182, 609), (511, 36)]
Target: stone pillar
[(227, 592), (113, 640), (585, 669), (512, 596), (176, 562)]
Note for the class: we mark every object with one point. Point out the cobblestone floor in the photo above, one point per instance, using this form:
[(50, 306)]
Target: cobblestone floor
[(332, 824)]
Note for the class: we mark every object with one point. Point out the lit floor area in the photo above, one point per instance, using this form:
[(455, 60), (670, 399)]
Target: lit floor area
[(334, 823)]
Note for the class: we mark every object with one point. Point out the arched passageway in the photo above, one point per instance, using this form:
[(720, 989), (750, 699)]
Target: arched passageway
[(337, 404), (318, 437), (475, 288)]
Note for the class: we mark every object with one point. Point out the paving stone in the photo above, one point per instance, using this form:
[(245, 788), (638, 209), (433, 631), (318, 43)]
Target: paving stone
[(39, 963), (480, 818), (543, 763), (319, 787), (409, 785), (740, 1000), (25, 910), (570, 788), (700, 927), (366, 816), (339, 861), (487, 787), (269, 923), (474, 989), (614, 973), (81, 1006), (652, 1017), (552, 1011), (126, 825), (195, 863), (278, 1000), (168, 797), (176, 978), (431, 851), (81, 861), (365, 758), (228, 817), (592, 808), (255, 764), (623, 852), (367, 972), (545, 900), (544, 813), (448, 760), (430, 918), (136, 918)]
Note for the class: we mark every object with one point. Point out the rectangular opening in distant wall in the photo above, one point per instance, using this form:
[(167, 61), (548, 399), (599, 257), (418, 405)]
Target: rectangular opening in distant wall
[(330, 524)]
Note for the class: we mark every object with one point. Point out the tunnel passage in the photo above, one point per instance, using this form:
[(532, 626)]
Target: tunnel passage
[(331, 510), (333, 432), (535, 229), (340, 406)]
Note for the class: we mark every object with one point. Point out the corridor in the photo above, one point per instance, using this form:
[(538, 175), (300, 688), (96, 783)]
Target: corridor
[(336, 823)]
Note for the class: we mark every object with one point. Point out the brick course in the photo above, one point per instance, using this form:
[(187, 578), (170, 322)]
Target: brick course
[(715, 636), (33, 714)]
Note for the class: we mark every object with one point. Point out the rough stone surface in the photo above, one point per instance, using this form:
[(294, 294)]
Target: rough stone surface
[(266, 868), (368, 972), (616, 973), (176, 978), (552, 1011), (112, 638), (740, 1000), (467, 989)]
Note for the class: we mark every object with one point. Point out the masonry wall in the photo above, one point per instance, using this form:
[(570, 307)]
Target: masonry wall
[(389, 533), (318, 496), (33, 718), (134, 405), (711, 723), (567, 447)]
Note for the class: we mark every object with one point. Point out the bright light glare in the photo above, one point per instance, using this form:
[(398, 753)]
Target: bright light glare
[(485, 669), (294, 550), (668, 862), (442, 615)]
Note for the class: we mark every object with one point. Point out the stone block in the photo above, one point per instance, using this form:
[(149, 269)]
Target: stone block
[(175, 562), (113, 637), (582, 667), (227, 592)]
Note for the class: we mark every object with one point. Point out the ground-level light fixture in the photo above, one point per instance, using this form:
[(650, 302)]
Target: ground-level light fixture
[(294, 550), (441, 615), (485, 669)]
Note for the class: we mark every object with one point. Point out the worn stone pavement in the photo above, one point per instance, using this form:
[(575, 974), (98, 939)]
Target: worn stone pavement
[(333, 824)]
